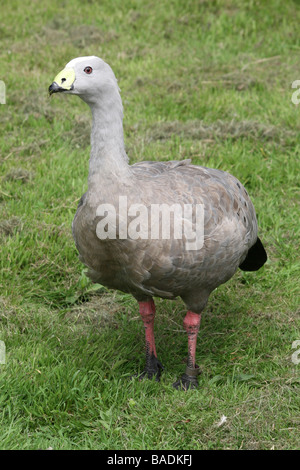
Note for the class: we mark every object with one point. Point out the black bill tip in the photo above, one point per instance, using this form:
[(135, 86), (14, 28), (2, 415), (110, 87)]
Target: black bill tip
[(54, 88)]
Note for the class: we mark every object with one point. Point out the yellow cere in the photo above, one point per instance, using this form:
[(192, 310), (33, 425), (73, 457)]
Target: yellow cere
[(65, 78)]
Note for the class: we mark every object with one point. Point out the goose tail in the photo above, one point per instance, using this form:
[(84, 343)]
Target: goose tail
[(256, 257)]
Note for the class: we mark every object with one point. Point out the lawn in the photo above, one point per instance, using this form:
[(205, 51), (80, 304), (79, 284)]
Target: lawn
[(205, 80)]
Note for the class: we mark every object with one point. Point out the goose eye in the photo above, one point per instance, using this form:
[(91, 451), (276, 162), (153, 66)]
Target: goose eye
[(88, 70)]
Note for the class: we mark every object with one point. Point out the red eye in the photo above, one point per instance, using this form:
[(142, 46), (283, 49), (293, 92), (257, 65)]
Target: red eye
[(88, 70)]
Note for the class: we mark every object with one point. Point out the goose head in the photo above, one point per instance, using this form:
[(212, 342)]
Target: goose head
[(88, 77)]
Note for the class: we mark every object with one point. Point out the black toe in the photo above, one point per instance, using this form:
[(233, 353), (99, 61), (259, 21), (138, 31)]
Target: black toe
[(185, 382), (152, 369), (188, 379)]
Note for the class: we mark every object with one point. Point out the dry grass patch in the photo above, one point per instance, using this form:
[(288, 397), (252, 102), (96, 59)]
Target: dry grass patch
[(10, 226), (18, 174), (221, 130)]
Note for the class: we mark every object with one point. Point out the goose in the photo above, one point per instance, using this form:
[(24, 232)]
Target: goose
[(121, 239)]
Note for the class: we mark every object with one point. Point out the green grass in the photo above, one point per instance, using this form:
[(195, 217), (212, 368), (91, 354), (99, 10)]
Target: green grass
[(210, 81)]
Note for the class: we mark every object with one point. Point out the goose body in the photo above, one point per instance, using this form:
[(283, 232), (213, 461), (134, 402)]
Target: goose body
[(163, 268), (148, 266)]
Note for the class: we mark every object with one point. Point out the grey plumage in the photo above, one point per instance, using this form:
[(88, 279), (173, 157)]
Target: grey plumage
[(151, 267), (164, 268)]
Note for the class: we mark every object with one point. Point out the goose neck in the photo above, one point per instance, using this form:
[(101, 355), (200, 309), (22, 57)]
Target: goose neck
[(108, 155)]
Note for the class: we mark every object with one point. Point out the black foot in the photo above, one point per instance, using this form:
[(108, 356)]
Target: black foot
[(188, 380), (152, 369), (185, 382)]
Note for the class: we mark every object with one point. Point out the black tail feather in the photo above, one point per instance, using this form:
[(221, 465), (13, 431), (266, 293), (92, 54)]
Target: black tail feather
[(256, 257)]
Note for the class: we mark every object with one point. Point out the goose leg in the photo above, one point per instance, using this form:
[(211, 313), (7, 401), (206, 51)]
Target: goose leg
[(191, 324), (153, 366)]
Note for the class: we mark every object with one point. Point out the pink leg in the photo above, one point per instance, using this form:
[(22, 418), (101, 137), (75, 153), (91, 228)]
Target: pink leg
[(153, 365), (191, 324), (147, 311)]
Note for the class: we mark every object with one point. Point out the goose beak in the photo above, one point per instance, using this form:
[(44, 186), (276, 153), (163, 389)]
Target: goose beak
[(64, 81)]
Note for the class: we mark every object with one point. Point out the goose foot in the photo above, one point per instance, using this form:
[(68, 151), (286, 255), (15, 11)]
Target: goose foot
[(152, 369), (188, 379)]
